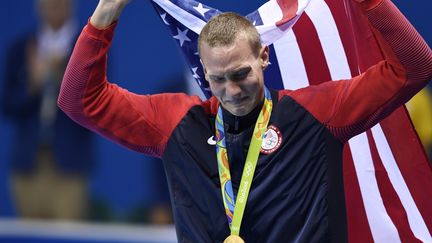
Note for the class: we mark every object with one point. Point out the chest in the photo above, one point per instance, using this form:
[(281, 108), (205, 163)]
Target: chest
[(289, 181)]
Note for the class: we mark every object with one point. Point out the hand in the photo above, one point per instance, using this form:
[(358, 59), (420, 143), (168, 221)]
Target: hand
[(37, 70), (106, 12), (48, 68)]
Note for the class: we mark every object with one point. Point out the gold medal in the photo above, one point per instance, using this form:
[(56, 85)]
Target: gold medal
[(234, 239)]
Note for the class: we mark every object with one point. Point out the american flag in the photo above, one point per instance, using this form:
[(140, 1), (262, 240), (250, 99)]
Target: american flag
[(388, 181)]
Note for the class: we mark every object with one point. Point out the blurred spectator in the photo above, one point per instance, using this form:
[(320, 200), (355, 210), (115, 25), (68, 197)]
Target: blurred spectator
[(420, 109), (159, 211), (51, 156)]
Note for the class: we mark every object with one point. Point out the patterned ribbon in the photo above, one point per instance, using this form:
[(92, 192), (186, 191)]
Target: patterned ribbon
[(234, 210)]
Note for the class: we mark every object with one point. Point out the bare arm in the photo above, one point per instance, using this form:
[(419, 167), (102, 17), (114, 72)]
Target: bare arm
[(107, 12)]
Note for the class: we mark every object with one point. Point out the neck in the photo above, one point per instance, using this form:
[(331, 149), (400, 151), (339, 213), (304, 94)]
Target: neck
[(236, 124)]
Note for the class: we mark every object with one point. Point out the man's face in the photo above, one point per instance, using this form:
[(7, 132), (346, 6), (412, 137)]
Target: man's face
[(55, 13), (235, 74)]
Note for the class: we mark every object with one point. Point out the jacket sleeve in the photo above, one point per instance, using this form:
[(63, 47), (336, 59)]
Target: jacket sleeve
[(142, 123), (352, 106)]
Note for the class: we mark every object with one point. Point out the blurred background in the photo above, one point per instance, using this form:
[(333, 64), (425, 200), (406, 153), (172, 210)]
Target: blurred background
[(53, 170)]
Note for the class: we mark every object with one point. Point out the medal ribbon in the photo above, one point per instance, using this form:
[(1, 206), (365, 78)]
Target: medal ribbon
[(234, 209)]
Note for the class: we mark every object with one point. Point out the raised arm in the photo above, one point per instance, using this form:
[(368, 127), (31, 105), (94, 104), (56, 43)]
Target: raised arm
[(140, 122), (408, 46), (107, 12), (357, 104)]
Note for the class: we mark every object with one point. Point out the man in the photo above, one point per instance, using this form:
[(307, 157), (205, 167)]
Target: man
[(51, 155), (249, 164)]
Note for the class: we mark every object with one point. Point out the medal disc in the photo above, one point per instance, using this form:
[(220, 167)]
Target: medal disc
[(233, 239)]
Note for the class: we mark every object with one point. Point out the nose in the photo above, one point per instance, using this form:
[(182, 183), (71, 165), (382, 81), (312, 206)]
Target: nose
[(232, 89)]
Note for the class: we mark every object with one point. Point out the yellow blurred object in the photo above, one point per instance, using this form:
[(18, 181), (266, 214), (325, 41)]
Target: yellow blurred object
[(420, 110)]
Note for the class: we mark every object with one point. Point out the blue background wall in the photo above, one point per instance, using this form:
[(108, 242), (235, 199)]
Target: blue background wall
[(145, 60)]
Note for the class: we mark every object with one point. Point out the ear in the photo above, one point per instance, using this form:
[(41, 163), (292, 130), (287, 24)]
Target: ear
[(264, 56)]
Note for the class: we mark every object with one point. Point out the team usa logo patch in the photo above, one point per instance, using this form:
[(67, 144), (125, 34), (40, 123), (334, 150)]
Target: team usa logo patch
[(271, 141)]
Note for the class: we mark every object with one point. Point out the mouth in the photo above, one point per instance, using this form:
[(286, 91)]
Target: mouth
[(238, 102)]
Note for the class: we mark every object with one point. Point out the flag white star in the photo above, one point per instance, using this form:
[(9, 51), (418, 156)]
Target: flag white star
[(201, 9), (181, 36), (163, 19), (195, 75)]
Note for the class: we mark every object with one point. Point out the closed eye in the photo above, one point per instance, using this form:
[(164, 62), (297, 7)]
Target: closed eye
[(241, 74), (216, 79)]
